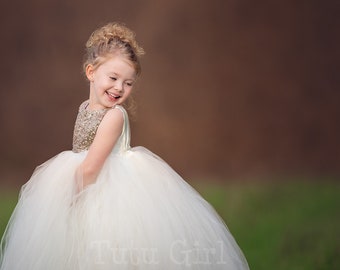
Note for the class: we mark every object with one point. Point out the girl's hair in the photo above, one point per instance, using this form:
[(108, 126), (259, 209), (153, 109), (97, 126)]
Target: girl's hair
[(112, 38)]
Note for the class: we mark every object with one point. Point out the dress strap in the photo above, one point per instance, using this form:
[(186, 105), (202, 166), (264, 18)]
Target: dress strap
[(125, 136)]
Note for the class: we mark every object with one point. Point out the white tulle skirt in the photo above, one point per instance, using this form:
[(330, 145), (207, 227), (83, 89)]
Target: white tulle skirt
[(140, 214)]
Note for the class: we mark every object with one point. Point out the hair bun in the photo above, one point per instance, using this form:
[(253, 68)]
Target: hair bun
[(111, 31)]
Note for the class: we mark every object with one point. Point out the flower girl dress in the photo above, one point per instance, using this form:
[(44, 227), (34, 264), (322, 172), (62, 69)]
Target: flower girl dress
[(139, 214)]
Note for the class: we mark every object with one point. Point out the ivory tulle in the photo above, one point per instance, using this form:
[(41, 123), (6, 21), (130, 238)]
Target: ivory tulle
[(140, 214)]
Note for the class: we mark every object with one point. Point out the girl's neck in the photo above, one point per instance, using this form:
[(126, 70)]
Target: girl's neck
[(94, 107)]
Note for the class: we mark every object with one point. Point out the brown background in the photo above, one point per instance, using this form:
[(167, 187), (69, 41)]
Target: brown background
[(229, 89)]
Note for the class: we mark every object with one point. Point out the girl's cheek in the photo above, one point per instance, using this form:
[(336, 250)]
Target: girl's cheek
[(129, 91)]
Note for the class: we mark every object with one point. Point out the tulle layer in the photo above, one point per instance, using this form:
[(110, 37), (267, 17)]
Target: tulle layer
[(140, 214)]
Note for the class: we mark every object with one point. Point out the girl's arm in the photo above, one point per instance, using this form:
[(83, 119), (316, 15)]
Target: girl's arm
[(107, 135)]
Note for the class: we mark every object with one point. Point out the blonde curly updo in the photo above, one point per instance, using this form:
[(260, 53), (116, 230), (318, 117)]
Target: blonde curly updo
[(113, 38)]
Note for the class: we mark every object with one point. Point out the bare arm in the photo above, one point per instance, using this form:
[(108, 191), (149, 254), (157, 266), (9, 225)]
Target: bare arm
[(107, 135)]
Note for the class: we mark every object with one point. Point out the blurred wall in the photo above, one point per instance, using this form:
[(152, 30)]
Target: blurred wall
[(229, 88)]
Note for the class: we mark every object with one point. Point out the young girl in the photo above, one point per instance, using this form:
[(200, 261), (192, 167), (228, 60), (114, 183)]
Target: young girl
[(105, 205)]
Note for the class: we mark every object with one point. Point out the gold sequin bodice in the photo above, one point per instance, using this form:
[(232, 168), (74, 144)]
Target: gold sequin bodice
[(85, 127)]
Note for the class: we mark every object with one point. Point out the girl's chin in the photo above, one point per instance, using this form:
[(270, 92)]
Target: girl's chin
[(113, 103)]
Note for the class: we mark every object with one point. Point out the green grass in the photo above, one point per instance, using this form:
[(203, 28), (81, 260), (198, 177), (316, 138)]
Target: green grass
[(282, 226), (8, 200), (288, 226)]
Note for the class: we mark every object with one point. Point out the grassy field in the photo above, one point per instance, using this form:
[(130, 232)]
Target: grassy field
[(285, 226), (288, 226)]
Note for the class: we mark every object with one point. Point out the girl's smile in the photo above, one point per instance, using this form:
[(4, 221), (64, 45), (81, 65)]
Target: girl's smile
[(112, 96)]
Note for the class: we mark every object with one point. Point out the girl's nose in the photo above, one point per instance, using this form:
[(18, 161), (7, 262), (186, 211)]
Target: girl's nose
[(118, 86)]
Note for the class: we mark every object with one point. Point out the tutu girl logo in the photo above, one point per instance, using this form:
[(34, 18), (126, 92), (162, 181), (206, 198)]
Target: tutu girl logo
[(180, 253)]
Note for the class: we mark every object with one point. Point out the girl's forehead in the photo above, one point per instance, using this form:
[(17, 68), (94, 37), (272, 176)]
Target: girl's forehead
[(119, 64)]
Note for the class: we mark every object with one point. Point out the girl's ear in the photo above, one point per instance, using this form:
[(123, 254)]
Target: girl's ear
[(89, 70)]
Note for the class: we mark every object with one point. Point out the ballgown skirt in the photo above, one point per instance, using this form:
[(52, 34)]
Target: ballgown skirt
[(140, 214)]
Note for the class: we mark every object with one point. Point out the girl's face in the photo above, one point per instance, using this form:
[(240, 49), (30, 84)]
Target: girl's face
[(111, 82)]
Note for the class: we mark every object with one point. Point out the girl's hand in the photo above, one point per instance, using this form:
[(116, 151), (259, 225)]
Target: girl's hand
[(81, 182)]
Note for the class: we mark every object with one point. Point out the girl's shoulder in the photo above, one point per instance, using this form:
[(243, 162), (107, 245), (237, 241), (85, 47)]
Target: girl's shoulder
[(120, 107)]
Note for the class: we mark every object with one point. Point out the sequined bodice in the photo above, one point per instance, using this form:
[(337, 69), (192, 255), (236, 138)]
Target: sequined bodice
[(86, 126)]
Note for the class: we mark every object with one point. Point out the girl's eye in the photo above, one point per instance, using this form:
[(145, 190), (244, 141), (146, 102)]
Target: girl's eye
[(113, 78), (129, 84)]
